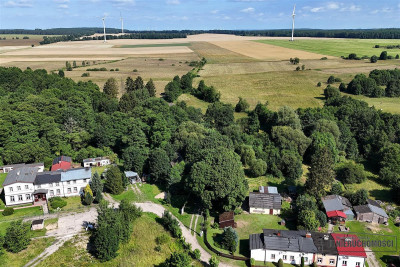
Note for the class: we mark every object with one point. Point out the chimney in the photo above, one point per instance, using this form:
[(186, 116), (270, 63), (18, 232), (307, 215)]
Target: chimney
[(279, 233), (308, 235)]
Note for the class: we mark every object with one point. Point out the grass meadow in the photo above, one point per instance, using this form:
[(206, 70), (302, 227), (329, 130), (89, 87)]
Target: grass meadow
[(139, 251), (338, 47), (154, 45)]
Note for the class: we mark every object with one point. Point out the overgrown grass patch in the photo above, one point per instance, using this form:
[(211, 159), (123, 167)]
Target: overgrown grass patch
[(21, 258), (21, 213), (73, 204)]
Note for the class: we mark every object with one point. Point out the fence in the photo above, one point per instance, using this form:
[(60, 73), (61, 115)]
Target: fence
[(219, 253)]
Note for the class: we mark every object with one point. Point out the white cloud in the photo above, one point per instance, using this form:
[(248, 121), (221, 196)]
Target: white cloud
[(63, 6), (248, 10), (214, 11), (317, 9), (173, 2), (61, 1), (19, 3), (332, 6), (351, 8)]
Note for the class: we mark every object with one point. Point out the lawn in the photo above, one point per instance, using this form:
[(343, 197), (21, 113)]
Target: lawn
[(375, 189), (2, 178), (148, 192), (20, 259), (140, 251), (22, 213), (153, 45), (73, 204), (338, 47), (255, 183)]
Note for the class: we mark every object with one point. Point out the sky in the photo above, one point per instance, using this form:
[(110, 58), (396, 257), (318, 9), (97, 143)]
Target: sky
[(199, 14)]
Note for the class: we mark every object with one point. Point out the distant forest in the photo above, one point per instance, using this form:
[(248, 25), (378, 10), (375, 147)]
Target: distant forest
[(390, 33)]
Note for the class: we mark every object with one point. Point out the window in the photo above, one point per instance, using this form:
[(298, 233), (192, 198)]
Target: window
[(331, 261), (344, 263), (18, 188), (51, 185), (26, 186), (292, 258), (74, 182), (75, 189), (305, 259), (284, 257), (51, 192), (11, 189), (57, 184), (20, 198), (28, 196), (69, 190), (12, 199), (84, 180), (58, 191), (69, 182), (319, 260), (358, 264), (273, 256), (39, 186)]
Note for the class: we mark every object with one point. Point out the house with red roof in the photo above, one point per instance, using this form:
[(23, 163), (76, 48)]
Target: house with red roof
[(336, 216), (61, 163), (350, 249)]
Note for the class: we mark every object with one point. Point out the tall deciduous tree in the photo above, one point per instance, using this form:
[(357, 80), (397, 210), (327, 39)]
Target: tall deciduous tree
[(321, 173), (111, 88), (159, 166), (138, 83), (218, 179)]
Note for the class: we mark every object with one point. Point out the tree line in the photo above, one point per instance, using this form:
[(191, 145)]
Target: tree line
[(205, 156)]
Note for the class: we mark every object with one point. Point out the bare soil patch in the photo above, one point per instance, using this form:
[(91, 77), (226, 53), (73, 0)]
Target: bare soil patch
[(265, 52), (241, 224)]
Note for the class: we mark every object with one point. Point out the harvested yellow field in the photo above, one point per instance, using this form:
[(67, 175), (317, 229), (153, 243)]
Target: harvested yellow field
[(265, 51), (216, 54)]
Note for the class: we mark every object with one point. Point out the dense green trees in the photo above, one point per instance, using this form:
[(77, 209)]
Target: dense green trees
[(351, 173), (111, 88), (218, 179), (17, 236), (114, 182), (229, 239), (242, 105)]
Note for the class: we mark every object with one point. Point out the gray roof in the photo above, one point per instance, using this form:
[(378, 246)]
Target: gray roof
[(95, 159), (285, 240), (332, 204), (265, 200), (348, 211), (47, 177), (344, 201), (62, 158), (76, 174), (373, 203), (21, 175), (130, 174), (370, 208), (325, 243), (41, 191), (19, 165), (256, 241)]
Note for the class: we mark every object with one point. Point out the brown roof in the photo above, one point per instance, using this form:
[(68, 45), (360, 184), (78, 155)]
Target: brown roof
[(226, 216)]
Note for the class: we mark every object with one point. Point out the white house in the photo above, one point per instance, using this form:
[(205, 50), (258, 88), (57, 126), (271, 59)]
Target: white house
[(290, 246), (8, 168), (27, 185), (100, 161), (350, 255), (19, 185), (265, 203)]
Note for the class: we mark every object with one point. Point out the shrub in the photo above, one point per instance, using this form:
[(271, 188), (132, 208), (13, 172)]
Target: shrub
[(158, 248), (298, 68), (331, 79), (336, 189), (117, 69), (338, 80), (86, 74), (111, 69), (17, 237), (135, 70), (230, 239), (171, 224), (57, 202), (196, 254), (8, 211), (374, 59), (351, 173), (215, 225), (280, 263), (162, 239), (383, 55), (213, 262), (397, 56), (324, 58), (319, 84)]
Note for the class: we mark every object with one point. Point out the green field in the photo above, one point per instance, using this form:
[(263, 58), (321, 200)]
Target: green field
[(338, 47), (20, 36), (153, 45)]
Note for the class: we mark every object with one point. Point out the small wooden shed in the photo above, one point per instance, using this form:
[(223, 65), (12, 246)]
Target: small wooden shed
[(227, 219)]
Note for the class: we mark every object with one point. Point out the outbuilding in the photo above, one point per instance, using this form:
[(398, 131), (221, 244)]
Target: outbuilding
[(227, 219)]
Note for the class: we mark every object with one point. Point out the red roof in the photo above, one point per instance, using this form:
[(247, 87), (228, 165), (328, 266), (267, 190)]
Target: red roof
[(336, 213), (63, 165), (349, 245)]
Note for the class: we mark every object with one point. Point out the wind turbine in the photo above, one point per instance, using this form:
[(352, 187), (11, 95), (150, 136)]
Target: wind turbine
[(293, 15), (122, 22), (104, 26)]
